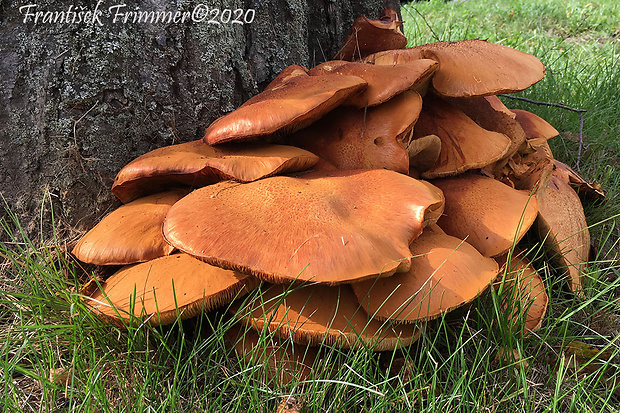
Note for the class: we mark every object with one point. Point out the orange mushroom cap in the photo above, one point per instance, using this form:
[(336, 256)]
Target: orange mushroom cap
[(317, 314), (166, 287), (372, 139), (197, 164), (286, 75), (586, 190), (534, 126), (384, 82), (562, 225), (328, 227), (486, 213), (131, 233), (471, 67), (487, 116), (499, 106), (464, 144), (445, 273), (369, 36), (283, 109)]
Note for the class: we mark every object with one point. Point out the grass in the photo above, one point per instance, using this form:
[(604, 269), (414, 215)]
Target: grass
[(55, 355)]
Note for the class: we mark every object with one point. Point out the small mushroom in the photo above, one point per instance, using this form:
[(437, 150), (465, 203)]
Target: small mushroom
[(445, 273), (464, 144), (197, 164), (384, 82), (129, 234), (424, 152), (283, 109), (349, 138), (486, 213), (163, 289), (369, 36), (316, 314), (327, 227)]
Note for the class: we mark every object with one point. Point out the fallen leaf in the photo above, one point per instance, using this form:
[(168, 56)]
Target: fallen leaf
[(289, 405)]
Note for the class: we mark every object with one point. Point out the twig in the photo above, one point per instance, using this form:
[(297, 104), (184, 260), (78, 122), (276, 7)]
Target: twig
[(561, 106), (78, 121), (427, 25)]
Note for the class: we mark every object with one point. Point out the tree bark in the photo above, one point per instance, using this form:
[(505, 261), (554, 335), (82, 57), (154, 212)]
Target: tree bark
[(80, 100)]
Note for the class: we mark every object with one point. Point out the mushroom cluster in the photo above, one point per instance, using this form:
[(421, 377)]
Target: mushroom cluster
[(360, 198)]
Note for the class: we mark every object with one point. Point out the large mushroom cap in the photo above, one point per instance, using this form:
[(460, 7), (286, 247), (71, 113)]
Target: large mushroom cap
[(197, 164), (486, 213), (162, 289), (523, 291), (321, 314), (478, 68), (328, 227), (130, 234), (562, 224), (464, 144), (284, 109), (349, 138), (384, 82), (445, 273), (369, 36), (471, 67)]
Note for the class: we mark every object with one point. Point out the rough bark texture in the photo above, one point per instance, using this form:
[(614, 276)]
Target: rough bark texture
[(79, 101)]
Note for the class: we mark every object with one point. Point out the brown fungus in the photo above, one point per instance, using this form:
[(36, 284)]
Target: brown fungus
[(445, 273), (384, 82), (486, 213), (349, 138), (522, 291), (196, 164), (369, 36), (562, 225), (327, 227), (131, 233), (283, 109), (464, 144), (279, 360), (316, 314), (470, 68), (168, 287), (534, 126)]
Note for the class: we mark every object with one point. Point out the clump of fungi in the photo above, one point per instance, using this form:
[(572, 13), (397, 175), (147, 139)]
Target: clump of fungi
[(362, 198)]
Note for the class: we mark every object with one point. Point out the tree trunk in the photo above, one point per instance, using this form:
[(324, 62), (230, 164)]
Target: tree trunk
[(79, 100)]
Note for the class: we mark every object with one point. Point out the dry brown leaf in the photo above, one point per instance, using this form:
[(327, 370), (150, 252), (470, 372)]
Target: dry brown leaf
[(289, 405)]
